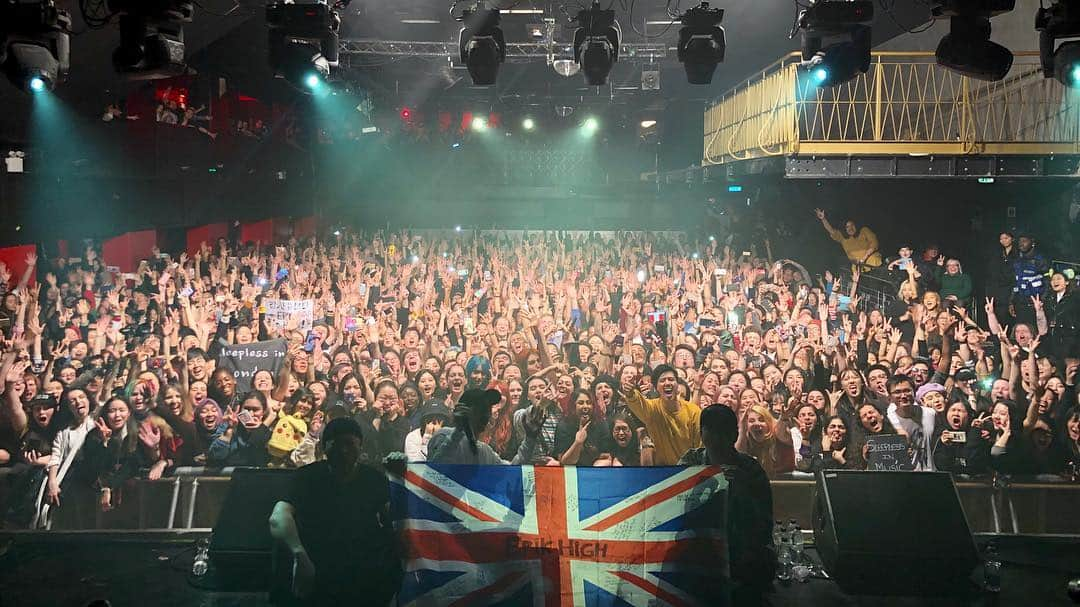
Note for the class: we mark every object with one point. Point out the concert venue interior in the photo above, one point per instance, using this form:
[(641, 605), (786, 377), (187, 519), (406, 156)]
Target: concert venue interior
[(535, 302)]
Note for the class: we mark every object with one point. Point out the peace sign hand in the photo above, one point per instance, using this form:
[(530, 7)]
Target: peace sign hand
[(582, 433), (104, 429)]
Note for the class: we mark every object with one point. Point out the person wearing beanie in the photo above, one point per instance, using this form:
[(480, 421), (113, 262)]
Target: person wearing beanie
[(931, 395), (670, 422), (458, 445), (335, 522)]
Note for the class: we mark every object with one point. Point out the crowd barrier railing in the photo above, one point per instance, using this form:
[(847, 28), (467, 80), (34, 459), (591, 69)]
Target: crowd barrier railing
[(192, 498)]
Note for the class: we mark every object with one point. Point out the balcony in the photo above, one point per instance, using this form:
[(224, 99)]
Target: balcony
[(905, 117)]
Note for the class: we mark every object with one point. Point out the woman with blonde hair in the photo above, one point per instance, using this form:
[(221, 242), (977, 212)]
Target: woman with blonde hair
[(762, 437)]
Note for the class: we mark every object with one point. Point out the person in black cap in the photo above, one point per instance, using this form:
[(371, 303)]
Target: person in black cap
[(458, 445), (433, 416), (749, 504), (335, 522)]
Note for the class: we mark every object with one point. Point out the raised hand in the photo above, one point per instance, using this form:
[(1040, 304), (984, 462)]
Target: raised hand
[(149, 435), (582, 433), (104, 429), (894, 336), (820, 214)]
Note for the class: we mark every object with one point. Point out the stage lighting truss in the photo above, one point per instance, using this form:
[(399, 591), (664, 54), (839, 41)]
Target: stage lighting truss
[(36, 48), (151, 38), (967, 48), (481, 44), (596, 43), (835, 40), (1060, 22), (303, 42), (701, 42), (518, 52)]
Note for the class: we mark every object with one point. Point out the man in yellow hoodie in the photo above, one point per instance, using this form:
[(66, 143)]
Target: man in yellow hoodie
[(673, 425)]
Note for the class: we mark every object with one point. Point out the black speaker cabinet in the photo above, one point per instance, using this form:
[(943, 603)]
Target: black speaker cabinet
[(242, 552), (893, 533)]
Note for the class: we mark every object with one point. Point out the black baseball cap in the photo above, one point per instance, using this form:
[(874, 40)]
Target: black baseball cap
[(342, 426), (476, 398)]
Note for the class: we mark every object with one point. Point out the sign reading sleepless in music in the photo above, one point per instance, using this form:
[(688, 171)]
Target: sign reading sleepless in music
[(477, 535)]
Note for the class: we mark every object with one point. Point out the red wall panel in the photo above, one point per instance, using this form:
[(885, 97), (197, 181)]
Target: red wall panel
[(127, 250), (208, 233), (15, 260)]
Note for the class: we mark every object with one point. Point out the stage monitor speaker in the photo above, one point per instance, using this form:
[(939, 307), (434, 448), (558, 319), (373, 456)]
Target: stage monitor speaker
[(241, 549), (893, 533)]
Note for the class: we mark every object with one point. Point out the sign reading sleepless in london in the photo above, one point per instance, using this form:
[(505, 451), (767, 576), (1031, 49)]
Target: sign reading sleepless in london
[(243, 361), (549, 536)]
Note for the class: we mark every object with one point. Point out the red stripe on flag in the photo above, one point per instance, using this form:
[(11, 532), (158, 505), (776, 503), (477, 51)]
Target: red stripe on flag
[(646, 585), (650, 500), (430, 487)]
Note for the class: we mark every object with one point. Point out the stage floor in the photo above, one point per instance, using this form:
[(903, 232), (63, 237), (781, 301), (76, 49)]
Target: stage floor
[(140, 569)]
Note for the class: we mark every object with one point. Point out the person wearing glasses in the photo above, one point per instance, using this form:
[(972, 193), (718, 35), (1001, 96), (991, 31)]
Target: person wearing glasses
[(911, 420)]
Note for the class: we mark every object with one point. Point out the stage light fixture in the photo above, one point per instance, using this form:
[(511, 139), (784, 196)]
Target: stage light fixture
[(303, 42), (835, 40), (596, 43), (151, 38), (36, 48), (590, 125), (701, 42), (479, 124), (528, 124), (967, 48), (481, 43), (1061, 20)]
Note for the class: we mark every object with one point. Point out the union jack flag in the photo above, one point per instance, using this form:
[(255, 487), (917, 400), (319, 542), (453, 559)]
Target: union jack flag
[(552, 536)]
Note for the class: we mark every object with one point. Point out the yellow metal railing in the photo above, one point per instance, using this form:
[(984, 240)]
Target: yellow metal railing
[(904, 104)]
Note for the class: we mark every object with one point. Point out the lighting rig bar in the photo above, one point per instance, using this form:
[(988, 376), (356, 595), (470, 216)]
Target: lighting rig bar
[(514, 50)]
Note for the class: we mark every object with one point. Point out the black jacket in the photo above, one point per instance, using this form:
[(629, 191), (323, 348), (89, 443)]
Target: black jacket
[(1063, 323), (1001, 274), (971, 457)]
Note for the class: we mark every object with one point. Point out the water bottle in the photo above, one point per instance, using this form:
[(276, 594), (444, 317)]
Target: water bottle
[(783, 551), (992, 569), (800, 565), (202, 558)]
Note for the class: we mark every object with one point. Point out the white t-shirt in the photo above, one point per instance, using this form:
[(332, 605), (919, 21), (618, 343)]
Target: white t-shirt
[(919, 435), (416, 445)]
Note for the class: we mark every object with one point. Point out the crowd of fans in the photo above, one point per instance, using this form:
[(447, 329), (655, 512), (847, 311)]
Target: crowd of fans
[(603, 349)]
